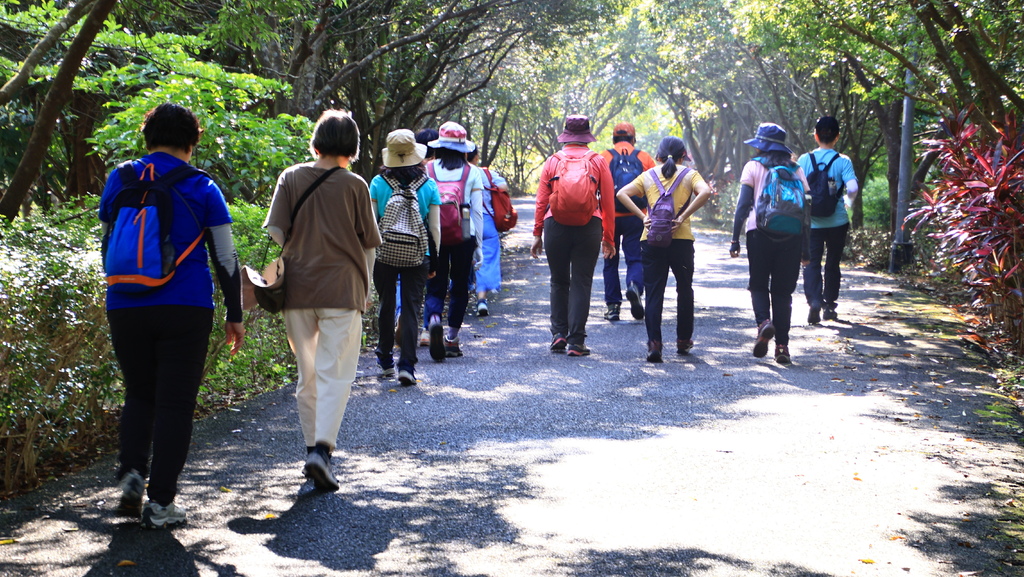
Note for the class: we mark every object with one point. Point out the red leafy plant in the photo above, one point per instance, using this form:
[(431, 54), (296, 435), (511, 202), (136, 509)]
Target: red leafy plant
[(976, 207)]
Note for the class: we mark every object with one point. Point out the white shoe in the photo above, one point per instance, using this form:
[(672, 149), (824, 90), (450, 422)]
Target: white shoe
[(156, 516)]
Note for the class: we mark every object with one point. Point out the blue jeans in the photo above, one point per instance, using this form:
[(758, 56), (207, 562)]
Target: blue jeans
[(658, 261), (627, 235), (829, 242)]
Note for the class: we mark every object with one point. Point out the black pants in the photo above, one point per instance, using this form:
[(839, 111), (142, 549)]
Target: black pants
[(829, 242), (572, 255), (161, 350), (774, 270), (455, 264), (385, 279), (658, 261)]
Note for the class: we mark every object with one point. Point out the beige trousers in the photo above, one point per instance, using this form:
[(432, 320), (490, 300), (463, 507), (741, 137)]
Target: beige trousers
[(326, 346)]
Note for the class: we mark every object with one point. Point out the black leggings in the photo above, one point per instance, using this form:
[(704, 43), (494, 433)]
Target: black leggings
[(161, 350)]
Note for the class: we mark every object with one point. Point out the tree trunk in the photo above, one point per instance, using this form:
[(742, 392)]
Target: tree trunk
[(46, 119)]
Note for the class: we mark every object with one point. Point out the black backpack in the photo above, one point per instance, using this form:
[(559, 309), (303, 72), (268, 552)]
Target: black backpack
[(625, 168), (825, 192)]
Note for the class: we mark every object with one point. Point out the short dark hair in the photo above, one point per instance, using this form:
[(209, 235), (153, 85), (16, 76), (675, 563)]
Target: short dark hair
[(171, 125), (827, 129), (623, 138), (473, 154), (335, 134), (427, 135)]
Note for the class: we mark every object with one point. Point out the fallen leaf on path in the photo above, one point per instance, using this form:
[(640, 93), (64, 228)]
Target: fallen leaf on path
[(70, 529), (126, 563), (392, 390), (867, 561), (897, 538), (225, 490), (966, 544), (270, 516), (8, 541)]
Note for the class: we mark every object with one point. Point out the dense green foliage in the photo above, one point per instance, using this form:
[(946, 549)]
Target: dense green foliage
[(60, 387)]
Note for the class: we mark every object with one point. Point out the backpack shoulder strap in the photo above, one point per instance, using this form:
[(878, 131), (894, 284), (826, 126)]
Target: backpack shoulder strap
[(829, 165), (635, 153), (430, 170), (126, 172)]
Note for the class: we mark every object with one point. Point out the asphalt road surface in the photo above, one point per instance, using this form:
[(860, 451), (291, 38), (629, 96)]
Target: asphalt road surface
[(883, 450)]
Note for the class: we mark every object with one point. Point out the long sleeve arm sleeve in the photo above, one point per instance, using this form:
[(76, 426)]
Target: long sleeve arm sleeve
[(225, 263), (743, 206)]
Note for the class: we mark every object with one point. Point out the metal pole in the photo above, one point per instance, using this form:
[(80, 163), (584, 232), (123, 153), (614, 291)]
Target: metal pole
[(903, 251)]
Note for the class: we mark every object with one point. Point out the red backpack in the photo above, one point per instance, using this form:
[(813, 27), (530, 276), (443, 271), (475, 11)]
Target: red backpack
[(504, 215), (454, 208), (574, 191)]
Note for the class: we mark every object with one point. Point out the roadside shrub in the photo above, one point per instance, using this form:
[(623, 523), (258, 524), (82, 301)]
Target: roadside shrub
[(58, 375), (977, 209)]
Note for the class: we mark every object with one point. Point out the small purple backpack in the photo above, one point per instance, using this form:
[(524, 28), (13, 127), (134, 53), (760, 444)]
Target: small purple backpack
[(663, 211)]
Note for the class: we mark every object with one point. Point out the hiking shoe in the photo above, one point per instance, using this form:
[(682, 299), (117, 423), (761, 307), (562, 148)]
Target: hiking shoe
[(765, 332), (406, 378), (451, 348), (782, 355), (481, 309), (132, 486), (318, 468), (683, 346), (558, 343), (436, 341), (424, 338), (156, 516), (814, 315), (612, 314), (830, 313), (654, 352), (579, 350), (636, 308)]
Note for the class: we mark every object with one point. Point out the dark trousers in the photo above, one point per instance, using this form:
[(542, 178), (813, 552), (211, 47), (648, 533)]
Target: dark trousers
[(627, 236), (658, 261), (161, 350), (572, 256), (454, 263), (829, 242), (386, 281), (774, 270)]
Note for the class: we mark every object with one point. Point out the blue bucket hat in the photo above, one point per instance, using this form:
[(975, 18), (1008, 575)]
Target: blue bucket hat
[(769, 136)]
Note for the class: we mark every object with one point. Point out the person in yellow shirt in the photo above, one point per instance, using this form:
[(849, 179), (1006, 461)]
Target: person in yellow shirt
[(689, 192)]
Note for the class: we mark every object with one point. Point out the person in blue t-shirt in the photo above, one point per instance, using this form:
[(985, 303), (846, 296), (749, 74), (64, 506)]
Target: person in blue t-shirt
[(828, 233), (160, 337)]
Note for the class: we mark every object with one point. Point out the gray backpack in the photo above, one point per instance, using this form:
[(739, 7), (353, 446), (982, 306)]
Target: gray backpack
[(402, 230)]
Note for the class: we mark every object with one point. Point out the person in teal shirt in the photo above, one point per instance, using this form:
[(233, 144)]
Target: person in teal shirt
[(828, 233), (403, 160)]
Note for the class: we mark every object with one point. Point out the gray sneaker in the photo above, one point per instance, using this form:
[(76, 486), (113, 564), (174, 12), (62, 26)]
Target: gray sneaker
[(156, 516), (406, 378), (132, 486), (318, 468)]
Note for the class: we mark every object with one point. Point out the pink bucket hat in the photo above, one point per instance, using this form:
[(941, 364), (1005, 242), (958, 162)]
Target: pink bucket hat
[(453, 136)]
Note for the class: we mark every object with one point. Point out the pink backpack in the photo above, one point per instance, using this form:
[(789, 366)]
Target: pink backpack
[(574, 191), (453, 207)]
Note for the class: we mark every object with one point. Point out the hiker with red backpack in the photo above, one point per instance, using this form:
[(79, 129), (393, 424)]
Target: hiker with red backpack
[(673, 195), (777, 225), (499, 216), (626, 163), (462, 226), (575, 213)]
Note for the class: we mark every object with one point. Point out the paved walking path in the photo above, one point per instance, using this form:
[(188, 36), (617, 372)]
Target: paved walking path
[(883, 450)]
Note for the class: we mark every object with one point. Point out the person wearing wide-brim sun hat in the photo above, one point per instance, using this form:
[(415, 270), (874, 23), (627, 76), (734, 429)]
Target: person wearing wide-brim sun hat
[(576, 215), (403, 169), (455, 176), (774, 263)]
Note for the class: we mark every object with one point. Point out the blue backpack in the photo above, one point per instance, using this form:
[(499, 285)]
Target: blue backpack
[(780, 208), (138, 255), (625, 168)]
